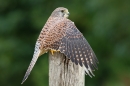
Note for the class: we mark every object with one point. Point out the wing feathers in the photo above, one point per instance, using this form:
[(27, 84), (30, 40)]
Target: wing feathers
[(71, 53), (78, 49)]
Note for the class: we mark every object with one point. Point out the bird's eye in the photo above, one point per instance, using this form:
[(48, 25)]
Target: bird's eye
[(62, 11)]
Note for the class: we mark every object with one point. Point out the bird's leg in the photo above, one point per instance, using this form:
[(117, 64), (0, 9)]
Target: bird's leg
[(52, 51)]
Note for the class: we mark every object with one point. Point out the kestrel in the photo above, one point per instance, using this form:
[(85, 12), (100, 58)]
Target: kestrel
[(60, 34)]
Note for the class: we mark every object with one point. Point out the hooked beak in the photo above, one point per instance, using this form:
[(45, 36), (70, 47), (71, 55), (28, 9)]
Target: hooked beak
[(67, 13)]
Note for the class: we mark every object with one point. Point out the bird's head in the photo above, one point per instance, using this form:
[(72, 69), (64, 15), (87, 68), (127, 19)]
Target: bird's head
[(60, 12)]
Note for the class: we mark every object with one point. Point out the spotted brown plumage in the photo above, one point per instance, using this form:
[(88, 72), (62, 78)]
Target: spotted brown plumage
[(60, 34)]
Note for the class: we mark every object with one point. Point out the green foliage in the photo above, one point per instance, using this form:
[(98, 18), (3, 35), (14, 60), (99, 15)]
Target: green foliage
[(105, 24)]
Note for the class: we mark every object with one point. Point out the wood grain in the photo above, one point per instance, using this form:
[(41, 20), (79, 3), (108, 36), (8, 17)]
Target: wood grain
[(62, 72)]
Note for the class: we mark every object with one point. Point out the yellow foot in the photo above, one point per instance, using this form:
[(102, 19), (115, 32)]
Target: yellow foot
[(52, 51)]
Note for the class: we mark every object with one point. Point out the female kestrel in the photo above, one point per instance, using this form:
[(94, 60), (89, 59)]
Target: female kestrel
[(60, 34)]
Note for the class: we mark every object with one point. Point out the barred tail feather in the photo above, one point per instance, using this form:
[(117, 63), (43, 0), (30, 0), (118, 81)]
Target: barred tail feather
[(32, 63)]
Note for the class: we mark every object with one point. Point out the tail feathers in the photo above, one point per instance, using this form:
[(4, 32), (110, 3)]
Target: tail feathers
[(34, 59), (88, 71)]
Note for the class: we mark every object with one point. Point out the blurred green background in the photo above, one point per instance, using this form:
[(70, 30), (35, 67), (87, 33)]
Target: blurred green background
[(104, 23)]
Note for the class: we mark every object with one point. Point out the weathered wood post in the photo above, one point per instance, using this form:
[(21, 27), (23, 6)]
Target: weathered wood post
[(63, 74)]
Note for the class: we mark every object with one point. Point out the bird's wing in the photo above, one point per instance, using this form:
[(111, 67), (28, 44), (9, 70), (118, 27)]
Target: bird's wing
[(74, 46)]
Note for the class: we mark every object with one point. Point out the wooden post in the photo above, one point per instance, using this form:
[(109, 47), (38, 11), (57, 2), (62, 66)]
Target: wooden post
[(63, 74)]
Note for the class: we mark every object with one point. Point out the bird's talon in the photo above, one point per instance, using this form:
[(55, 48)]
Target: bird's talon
[(52, 51)]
